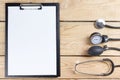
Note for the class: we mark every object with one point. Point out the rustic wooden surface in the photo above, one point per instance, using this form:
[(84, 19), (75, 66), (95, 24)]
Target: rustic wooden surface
[(74, 36), (79, 9)]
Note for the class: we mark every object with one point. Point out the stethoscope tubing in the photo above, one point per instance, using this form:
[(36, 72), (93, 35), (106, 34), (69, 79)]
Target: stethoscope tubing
[(102, 74)]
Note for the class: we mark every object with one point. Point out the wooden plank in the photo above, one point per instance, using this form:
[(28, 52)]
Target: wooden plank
[(2, 38), (67, 67), (74, 38), (2, 67), (78, 9), (2, 10), (68, 63)]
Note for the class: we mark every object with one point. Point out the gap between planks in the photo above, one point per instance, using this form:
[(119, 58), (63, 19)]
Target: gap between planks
[(80, 21)]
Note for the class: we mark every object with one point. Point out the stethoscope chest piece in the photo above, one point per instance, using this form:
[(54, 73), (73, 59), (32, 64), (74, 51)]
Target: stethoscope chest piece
[(100, 23)]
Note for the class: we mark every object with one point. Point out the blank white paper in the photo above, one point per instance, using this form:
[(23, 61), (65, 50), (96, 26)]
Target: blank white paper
[(32, 41)]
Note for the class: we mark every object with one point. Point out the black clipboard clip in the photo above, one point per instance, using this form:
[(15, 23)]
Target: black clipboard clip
[(30, 6)]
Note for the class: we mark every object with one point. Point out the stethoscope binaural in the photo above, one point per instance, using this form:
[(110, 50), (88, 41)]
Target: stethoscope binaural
[(97, 38), (111, 65)]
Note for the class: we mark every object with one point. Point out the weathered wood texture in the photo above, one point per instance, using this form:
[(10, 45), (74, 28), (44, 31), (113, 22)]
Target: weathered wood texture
[(74, 36), (78, 9), (67, 67)]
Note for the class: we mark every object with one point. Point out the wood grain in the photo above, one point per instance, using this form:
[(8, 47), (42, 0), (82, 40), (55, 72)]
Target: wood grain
[(67, 67), (74, 35), (78, 9), (74, 38), (2, 38)]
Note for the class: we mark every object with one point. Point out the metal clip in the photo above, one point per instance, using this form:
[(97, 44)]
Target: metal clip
[(30, 6)]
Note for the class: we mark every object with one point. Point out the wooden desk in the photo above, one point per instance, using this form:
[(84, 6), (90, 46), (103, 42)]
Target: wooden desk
[(77, 19)]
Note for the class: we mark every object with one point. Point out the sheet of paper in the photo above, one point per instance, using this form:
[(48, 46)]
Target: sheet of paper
[(32, 41)]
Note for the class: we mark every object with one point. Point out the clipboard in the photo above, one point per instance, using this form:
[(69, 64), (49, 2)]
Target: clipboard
[(32, 44)]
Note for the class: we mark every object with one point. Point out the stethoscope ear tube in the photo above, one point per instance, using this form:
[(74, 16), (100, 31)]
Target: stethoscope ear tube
[(97, 38)]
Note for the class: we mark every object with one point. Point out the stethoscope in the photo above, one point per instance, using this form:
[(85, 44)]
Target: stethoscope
[(97, 38), (100, 23), (111, 65)]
